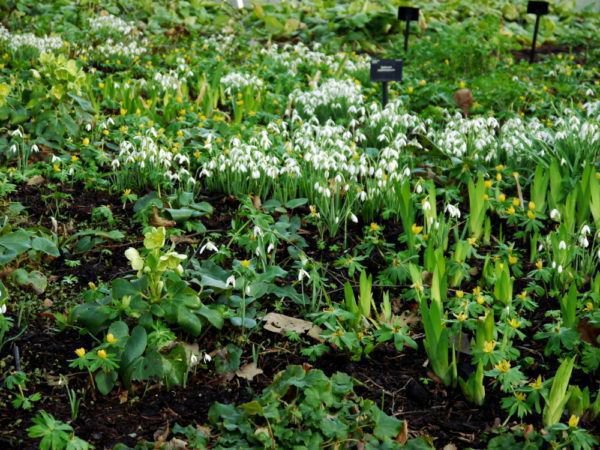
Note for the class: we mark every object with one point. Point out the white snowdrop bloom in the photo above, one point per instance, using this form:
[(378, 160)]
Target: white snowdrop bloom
[(555, 215), (193, 360), (585, 230), (34, 148), (13, 149), (560, 269), (257, 231), (17, 133), (207, 358), (88, 127), (583, 241), (562, 245), (554, 264), (353, 218), (209, 246), (453, 211), (419, 188), (110, 22), (426, 205), (270, 248), (230, 281), (2, 309), (303, 274)]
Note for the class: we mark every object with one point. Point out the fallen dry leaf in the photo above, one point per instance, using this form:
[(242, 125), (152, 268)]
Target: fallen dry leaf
[(157, 221), (35, 180), (464, 100), (281, 324), (403, 436), (248, 371), (450, 447)]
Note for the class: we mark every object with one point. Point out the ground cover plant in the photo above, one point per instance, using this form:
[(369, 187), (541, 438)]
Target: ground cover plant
[(214, 235)]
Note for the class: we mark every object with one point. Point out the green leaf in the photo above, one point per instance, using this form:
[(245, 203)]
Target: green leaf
[(105, 381), (295, 203), (188, 321), (136, 344), (44, 245), (214, 316)]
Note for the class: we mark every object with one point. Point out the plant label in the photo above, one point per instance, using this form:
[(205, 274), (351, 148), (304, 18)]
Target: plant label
[(409, 13), (537, 8), (384, 70)]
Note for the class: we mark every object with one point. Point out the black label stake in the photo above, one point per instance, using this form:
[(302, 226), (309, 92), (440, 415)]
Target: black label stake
[(407, 14), (539, 9), (384, 71)]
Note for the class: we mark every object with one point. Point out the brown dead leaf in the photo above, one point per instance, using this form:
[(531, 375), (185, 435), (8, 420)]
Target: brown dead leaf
[(248, 371), (464, 100), (35, 180), (403, 436), (281, 324), (256, 202), (176, 444), (450, 447), (588, 332), (157, 221), (123, 396), (160, 436)]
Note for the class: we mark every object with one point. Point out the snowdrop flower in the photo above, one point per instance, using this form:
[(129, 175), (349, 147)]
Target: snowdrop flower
[(419, 188), (17, 133), (207, 358), (2, 309), (555, 215), (585, 230), (193, 359), (13, 149), (230, 281), (34, 148), (88, 127), (562, 245), (560, 269), (426, 205), (257, 231), (353, 218), (583, 241), (453, 211), (270, 248), (209, 246), (303, 274)]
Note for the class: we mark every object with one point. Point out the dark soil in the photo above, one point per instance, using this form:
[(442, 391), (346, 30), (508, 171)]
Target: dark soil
[(398, 381)]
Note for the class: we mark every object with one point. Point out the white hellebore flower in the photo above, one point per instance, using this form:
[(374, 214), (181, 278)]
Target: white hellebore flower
[(137, 262)]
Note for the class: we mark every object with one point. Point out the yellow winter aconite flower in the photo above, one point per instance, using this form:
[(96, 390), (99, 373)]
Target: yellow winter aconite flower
[(512, 260), (516, 201), (531, 206), (460, 294), (74, 158), (498, 177), (488, 183), (245, 263), (573, 421), (537, 384), (111, 339), (80, 352), (501, 197), (500, 167), (461, 317), (123, 111), (503, 366), (510, 210), (520, 396), (489, 346), (515, 323), (102, 354), (480, 299), (374, 227), (472, 241), (539, 264), (531, 214), (422, 83), (589, 307), (56, 167), (416, 229), (86, 141)]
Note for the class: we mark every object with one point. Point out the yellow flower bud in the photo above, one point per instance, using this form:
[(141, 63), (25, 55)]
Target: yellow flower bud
[(102, 354), (573, 421), (503, 366), (245, 263), (80, 352), (111, 339)]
